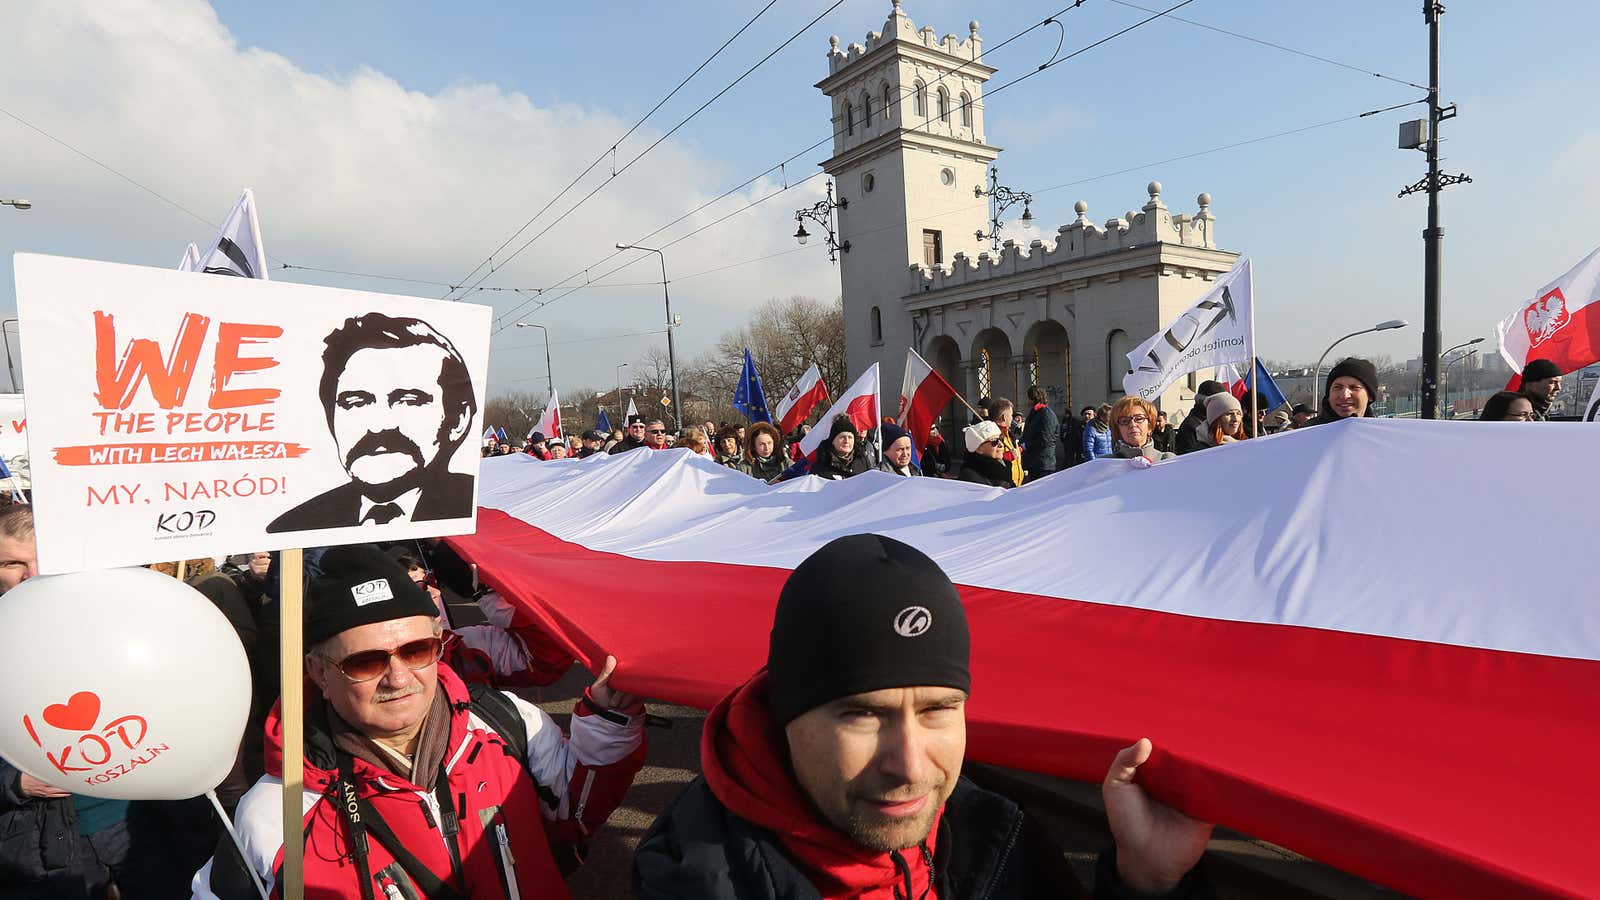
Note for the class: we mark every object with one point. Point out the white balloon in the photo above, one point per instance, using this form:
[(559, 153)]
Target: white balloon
[(121, 683)]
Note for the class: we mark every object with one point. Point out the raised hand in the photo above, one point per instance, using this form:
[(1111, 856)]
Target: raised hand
[(602, 693), (1156, 844)]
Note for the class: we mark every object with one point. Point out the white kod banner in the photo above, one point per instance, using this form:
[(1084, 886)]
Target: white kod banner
[(1213, 332), (14, 440), (174, 417)]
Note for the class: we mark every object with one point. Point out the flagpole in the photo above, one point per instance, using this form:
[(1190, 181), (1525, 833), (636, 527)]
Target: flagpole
[(1255, 428)]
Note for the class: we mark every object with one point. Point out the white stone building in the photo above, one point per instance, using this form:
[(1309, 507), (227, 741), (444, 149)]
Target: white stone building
[(909, 149)]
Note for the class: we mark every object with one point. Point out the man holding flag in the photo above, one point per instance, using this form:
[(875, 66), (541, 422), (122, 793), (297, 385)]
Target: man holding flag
[(1559, 329), (923, 392)]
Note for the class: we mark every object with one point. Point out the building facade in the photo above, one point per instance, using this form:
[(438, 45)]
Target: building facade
[(909, 152)]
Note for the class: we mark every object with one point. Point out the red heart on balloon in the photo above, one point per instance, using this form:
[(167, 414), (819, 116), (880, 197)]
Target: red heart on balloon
[(78, 714)]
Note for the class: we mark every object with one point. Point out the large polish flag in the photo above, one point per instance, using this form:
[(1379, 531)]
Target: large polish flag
[(860, 403), (801, 399), (1561, 323), (1350, 669), (923, 393)]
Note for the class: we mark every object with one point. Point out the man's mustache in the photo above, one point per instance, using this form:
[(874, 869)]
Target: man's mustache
[(389, 440)]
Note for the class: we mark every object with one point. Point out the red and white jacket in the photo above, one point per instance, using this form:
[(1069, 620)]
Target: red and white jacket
[(565, 788)]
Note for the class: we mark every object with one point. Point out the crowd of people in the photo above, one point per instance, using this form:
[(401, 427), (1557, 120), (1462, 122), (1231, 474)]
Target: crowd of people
[(1002, 447), (428, 777)]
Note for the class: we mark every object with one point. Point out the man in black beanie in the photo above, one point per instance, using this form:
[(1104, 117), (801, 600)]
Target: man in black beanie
[(1541, 381), (1352, 388), (1192, 429), (835, 772), (416, 785)]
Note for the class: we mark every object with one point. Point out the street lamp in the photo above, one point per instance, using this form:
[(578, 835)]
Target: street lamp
[(1476, 340), (672, 359), (548, 377), (1446, 375), (622, 414), (1002, 198), (822, 213), (1316, 373), (19, 203)]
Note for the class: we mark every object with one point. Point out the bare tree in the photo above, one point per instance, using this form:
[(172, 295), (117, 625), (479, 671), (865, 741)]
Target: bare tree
[(515, 411), (785, 336)]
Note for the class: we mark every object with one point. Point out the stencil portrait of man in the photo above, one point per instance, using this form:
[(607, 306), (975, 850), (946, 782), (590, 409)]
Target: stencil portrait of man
[(399, 402)]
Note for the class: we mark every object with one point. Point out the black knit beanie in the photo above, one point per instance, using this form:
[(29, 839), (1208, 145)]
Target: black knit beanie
[(864, 613), (360, 585), (1357, 368), (841, 424), (1539, 370)]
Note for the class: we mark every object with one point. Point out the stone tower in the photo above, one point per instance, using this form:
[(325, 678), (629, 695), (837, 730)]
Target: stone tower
[(908, 150)]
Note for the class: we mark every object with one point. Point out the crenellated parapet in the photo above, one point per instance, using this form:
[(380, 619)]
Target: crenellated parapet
[(1081, 239), (900, 27)]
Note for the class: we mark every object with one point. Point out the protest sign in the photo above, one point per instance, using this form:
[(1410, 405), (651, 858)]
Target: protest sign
[(175, 417), (14, 442), (1218, 329)]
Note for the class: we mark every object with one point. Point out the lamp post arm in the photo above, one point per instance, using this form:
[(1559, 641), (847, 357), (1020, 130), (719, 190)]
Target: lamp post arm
[(1316, 373)]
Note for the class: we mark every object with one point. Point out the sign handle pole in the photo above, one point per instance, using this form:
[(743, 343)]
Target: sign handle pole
[(292, 659), (1254, 425)]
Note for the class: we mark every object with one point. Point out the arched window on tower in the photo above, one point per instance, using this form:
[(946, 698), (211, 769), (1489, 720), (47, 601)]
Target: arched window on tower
[(849, 119), (877, 326), (966, 109), (1118, 346), (944, 105), (866, 110), (888, 101), (921, 99)]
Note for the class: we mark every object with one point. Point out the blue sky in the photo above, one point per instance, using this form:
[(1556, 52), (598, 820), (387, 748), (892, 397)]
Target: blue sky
[(411, 138)]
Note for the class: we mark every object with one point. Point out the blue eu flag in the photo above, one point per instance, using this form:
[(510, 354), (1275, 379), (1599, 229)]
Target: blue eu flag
[(748, 398), (602, 424)]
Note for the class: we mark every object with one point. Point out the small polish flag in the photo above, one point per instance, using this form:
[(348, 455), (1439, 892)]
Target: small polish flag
[(801, 399)]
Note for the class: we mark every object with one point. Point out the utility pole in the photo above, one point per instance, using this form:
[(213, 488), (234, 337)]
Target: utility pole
[(1433, 235)]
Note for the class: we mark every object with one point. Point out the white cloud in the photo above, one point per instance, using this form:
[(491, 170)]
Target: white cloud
[(356, 171)]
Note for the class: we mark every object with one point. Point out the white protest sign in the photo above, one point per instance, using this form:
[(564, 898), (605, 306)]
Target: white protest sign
[(1213, 332), (174, 417), (14, 441)]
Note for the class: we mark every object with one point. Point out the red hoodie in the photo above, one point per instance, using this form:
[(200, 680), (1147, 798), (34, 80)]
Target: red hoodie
[(746, 763)]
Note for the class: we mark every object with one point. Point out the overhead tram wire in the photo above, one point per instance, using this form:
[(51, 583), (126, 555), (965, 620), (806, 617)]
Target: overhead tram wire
[(682, 122), (1277, 46), (900, 98), (489, 260), (1049, 64), (1171, 159), (778, 167)]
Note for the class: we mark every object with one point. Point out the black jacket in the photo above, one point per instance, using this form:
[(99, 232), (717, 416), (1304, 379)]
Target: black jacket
[(986, 470), (1039, 436), (1187, 440), (833, 468), (986, 848), (627, 443), (41, 852), (444, 496)]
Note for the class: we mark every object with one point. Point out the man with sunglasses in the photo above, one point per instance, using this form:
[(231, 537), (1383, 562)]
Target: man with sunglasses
[(655, 435), (416, 785), (634, 439)]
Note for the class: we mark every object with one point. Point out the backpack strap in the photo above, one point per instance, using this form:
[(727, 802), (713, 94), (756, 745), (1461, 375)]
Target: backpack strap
[(500, 714)]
